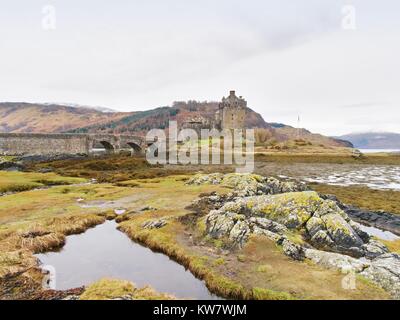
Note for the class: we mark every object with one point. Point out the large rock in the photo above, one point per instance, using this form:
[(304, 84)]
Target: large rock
[(322, 223), (374, 249), (337, 261), (219, 225), (236, 228), (385, 271), (325, 224), (292, 249), (340, 236), (246, 184), (270, 208)]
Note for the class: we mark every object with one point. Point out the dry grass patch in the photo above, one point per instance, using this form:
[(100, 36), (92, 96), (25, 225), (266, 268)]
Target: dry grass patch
[(109, 289), (40, 240), (16, 261)]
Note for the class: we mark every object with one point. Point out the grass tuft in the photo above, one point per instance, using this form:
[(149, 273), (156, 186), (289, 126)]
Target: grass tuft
[(111, 289)]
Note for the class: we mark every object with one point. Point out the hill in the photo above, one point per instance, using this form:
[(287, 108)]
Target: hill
[(288, 133), (374, 140), (275, 134), (50, 118), (142, 121)]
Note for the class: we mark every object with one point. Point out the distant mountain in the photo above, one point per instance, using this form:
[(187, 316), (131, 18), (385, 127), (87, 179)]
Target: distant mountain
[(75, 105), (374, 140), (34, 117)]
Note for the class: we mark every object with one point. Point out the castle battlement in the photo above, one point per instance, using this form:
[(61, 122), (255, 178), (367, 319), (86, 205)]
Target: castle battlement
[(232, 101)]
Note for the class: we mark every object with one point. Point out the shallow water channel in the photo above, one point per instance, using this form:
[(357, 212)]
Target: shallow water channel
[(104, 251)]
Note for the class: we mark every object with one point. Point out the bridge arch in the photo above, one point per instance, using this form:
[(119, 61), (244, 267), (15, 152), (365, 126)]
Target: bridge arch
[(135, 147), (132, 143), (102, 144)]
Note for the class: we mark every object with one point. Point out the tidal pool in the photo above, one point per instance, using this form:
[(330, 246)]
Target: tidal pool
[(106, 252)]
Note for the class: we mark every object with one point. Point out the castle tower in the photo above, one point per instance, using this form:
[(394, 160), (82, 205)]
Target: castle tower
[(232, 112)]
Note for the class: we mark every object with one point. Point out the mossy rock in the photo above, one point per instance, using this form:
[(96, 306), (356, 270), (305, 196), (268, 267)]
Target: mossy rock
[(292, 209)]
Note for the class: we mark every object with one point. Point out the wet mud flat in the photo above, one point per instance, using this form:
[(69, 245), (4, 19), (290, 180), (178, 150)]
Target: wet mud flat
[(383, 177)]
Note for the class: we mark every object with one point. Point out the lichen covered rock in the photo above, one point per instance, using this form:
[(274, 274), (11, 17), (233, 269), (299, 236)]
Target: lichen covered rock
[(336, 261), (301, 222), (293, 250), (237, 228), (246, 184), (323, 224), (154, 224), (385, 271)]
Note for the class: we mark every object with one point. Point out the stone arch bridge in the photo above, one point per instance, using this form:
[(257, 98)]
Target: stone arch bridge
[(68, 143)]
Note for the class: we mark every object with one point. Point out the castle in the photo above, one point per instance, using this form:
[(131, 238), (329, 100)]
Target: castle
[(230, 115)]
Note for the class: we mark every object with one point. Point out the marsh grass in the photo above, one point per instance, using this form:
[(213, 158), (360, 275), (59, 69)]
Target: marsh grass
[(118, 168), (42, 243), (16, 261), (393, 246), (109, 289), (24, 181)]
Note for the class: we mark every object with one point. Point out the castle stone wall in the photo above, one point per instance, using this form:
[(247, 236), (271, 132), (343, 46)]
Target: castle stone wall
[(233, 118), (232, 112)]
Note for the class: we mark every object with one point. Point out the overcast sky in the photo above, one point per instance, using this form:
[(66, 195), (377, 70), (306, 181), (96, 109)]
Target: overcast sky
[(286, 57)]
